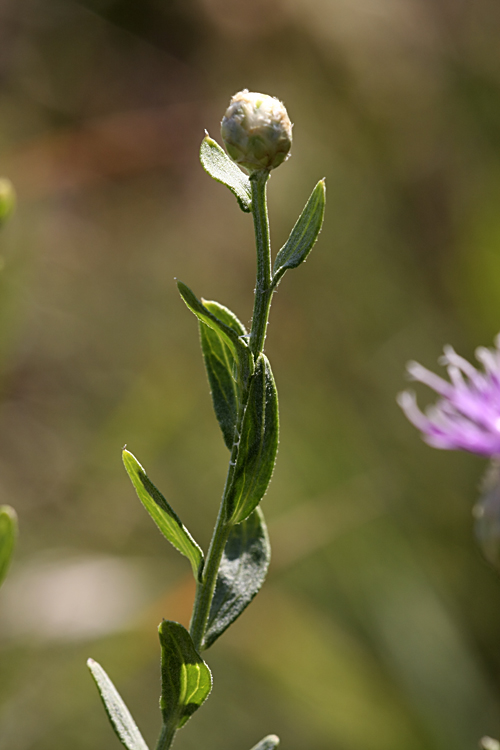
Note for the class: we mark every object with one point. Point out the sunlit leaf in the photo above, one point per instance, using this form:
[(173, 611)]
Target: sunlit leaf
[(228, 332), (162, 514), (242, 572), (118, 713), (222, 369), (303, 235), (258, 445), (217, 163), (8, 534), (185, 678), (268, 743)]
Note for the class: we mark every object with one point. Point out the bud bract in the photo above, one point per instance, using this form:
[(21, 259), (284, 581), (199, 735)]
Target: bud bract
[(256, 131)]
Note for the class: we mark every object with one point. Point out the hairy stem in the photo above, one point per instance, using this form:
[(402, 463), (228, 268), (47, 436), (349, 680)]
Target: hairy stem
[(263, 295), (263, 288)]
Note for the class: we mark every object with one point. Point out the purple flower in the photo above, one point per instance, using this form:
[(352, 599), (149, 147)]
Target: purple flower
[(467, 416)]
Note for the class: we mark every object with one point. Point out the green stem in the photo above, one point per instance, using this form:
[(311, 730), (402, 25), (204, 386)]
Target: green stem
[(263, 294), (166, 737), (263, 288)]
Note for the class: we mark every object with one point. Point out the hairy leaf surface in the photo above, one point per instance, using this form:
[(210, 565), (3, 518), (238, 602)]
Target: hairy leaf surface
[(217, 163), (121, 720), (258, 445), (222, 369), (242, 572), (268, 743)]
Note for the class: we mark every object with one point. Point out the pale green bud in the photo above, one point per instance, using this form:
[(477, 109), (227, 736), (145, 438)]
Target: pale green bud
[(256, 131), (7, 199)]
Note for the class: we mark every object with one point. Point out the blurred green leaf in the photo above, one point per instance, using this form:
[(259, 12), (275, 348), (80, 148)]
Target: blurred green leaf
[(162, 514), (222, 369), (217, 163), (258, 445), (488, 743), (8, 534), (7, 199), (268, 743), (121, 720), (186, 679), (303, 235), (242, 572)]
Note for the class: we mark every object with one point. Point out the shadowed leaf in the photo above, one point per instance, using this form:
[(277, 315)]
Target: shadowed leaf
[(242, 572), (258, 445), (222, 369)]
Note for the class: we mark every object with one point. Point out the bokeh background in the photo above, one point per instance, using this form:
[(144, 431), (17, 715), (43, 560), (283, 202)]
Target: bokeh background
[(379, 625)]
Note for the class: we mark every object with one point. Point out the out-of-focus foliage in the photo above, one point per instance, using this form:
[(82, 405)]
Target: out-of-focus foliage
[(392, 636)]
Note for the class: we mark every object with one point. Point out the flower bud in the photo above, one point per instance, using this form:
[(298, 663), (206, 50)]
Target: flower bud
[(256, 131)]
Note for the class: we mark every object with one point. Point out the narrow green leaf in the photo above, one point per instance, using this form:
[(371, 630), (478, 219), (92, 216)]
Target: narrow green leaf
[(162, 514), (228, 332), (185, 678), (222, 369), (242, 572), (268, 743), (121, 720), (8, 534), (7, 199), (217, 163), (258, 445), (488, 743), (303, 235)]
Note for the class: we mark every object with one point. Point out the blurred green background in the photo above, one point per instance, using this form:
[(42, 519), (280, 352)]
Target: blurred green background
[(379, 626)]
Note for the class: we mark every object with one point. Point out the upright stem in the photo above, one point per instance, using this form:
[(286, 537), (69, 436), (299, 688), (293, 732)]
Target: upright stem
[(263, 294), (263, 289)]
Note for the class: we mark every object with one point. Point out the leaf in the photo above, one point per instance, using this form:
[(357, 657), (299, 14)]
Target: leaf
[(8, 534), (162, 514), (228, 333), (217, 163), (118, 713), (488, 743), (185, 678), (258, 445), (303, 235), (268, 743), (222, 369), (242, 572)]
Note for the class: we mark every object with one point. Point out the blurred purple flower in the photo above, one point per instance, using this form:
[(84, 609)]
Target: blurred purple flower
[(467, 416)]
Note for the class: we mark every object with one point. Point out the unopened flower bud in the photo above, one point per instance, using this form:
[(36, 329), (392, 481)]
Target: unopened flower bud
[(257, 131), (7, 199)]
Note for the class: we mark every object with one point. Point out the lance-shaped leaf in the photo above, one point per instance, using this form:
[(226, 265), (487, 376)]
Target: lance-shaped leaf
[(257, 446), (217, 163), (268, 743), (222, 369), (228, 333), (8, 534), (162, 514), (118, 713), (303, 235), (242, 572), (186, 681)]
